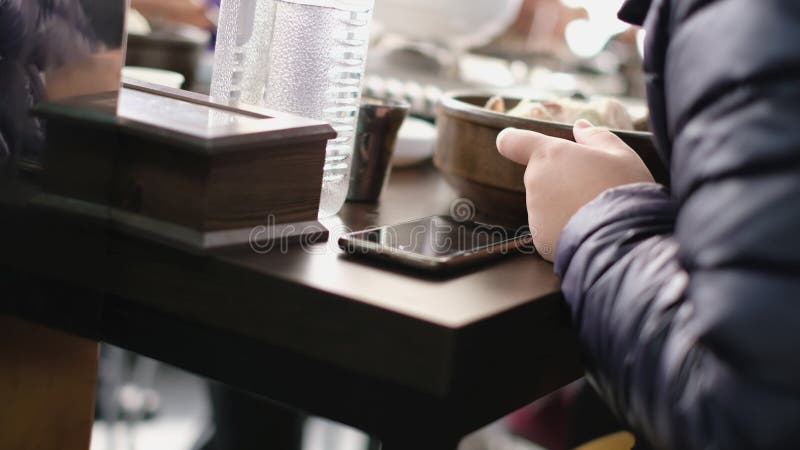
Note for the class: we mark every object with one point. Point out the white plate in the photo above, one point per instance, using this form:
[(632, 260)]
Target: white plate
[(415, 142)]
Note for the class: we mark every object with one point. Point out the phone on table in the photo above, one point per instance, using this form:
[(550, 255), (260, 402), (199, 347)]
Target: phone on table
[(438, 243)]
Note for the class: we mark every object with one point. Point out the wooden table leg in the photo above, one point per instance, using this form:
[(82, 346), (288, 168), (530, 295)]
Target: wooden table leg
[(47, 387)]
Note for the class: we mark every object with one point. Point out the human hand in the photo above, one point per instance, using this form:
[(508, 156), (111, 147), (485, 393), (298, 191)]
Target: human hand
[(182, 11), (562, 176)]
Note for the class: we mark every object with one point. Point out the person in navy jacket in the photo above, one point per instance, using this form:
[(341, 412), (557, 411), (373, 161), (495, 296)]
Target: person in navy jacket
[(47, 38), (687, 298), (41, 36)]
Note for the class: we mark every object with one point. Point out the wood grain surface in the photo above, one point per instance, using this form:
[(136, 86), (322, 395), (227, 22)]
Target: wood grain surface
[(175, 166), (47, 385), (370, 345)]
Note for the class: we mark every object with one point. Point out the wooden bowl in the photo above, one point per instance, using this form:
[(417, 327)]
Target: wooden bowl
[(467, 156)]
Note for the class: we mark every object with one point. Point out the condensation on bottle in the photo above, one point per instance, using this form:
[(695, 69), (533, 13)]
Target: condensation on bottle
[(306, 57)]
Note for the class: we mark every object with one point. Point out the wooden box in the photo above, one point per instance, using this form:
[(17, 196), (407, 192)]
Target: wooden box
[(174, 166)]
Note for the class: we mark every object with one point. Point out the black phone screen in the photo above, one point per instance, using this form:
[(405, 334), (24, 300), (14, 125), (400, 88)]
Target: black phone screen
[(438, 237)]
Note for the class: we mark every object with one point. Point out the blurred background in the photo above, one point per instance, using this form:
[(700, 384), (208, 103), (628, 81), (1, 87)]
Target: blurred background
[(419, 49), (160, 407)]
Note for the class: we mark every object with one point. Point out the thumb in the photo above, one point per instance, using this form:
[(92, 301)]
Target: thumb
[(588, 134), (521, 145)]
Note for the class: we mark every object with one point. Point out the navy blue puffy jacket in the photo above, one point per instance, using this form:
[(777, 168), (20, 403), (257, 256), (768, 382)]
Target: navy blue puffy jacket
[(687, 300)]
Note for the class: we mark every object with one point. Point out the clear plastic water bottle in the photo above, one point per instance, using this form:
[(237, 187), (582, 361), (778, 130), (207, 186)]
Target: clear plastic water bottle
[(312, 60), (242, 53)]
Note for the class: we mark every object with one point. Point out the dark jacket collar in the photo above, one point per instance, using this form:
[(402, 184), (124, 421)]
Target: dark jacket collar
[(634, 11)]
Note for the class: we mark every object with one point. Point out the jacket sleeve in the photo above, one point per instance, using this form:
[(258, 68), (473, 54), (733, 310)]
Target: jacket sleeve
[(688, 303)]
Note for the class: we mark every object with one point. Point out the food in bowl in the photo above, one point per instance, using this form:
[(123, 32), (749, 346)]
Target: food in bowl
[(467, 157), (605, 112)]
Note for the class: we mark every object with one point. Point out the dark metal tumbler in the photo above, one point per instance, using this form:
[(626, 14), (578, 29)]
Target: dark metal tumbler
[(378, 124)]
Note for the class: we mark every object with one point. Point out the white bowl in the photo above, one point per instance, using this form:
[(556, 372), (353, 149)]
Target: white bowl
[(414, 144), (457, 23), (163, 77)]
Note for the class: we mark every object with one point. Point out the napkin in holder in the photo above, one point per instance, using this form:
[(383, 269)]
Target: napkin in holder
[(171, 165)]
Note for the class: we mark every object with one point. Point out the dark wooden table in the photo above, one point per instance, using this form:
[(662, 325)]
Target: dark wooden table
[(418, 362)]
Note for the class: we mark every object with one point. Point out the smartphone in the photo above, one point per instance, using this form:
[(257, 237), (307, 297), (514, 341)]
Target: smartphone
[(438, 243)]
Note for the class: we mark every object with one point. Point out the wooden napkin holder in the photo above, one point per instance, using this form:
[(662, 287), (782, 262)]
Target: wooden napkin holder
[(173, 166)]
